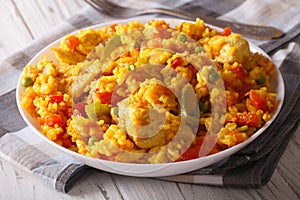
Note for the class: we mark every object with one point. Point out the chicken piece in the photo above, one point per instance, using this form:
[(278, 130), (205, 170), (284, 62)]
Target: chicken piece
[(74, 48), (145, 116), (68, 57), (228, 49), (88, 40)]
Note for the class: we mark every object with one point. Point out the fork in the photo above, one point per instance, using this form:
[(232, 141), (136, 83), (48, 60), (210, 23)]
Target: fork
[(248, 30)]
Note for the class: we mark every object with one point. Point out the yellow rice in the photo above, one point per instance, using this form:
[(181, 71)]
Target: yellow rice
[(246, 76)]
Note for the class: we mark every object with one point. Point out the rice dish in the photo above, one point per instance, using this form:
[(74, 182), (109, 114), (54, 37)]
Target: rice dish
[(150, 93)]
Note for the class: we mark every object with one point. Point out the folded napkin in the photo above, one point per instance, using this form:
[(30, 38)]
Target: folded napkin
[(252, 166)]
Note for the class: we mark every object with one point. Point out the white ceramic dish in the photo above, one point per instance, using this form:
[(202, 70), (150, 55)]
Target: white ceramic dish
[(149, 170)]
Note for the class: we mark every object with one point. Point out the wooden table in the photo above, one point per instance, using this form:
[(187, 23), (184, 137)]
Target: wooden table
[(25, 20)]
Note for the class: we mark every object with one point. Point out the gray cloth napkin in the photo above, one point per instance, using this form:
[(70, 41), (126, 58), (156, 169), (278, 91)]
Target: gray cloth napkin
[(252, 166)]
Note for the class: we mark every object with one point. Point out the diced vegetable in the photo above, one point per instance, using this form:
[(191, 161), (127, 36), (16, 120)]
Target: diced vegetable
[(130, 66), (92, 140), (213, 76), (242, 90), (249, 119), (52, 120), (72, 42), (27, 81), (203, 108), (261, 80), (56, 98), (208, 144), (198, 49), (105, 97), (138, 43), (191, 153), (96, 111), (112, 29), (111, 45), (210, 147), (258, 101), (240, 72), (176, 62), (182, 37), (226, 31)]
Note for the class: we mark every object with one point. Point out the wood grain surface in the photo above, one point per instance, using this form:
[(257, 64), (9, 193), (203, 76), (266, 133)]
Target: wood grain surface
[(25, 20)]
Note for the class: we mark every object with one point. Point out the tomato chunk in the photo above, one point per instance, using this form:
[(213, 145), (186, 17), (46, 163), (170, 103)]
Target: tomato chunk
[(66, 140), (175, 63), (243, 90), (250, 119), (52, 120), (56, 98), (72, 42), (112, 29), (210, 147), (105, 97), (240, 72), (226, 31), (191, 153), (258, 101)]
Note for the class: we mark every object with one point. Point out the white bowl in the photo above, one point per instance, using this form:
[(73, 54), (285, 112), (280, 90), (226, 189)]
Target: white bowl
[(148, 170)]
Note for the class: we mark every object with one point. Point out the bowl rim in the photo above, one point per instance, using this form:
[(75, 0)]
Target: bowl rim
[(32, 123)]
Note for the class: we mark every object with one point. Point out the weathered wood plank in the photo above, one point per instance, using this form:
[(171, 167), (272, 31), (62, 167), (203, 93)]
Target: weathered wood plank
[(22, 21), (46, 14), (96, 182), (288, 166), (20, 184), (12, 24), (278, 188), (212, 192), (133, 188)]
